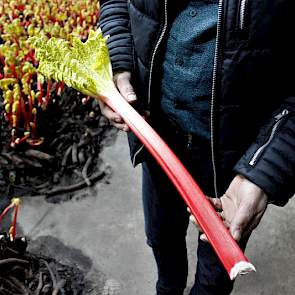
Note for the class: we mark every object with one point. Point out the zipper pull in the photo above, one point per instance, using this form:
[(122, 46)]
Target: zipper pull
[(189, 141), (274, 128), (281, 114)]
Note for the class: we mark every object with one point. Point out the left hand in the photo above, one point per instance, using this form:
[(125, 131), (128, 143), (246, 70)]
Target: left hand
[(122, 80), (243, 206)]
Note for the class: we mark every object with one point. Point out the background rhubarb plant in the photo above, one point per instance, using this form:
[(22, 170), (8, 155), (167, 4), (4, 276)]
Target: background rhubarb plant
[(26, 94), (50, 142), (47, 130)]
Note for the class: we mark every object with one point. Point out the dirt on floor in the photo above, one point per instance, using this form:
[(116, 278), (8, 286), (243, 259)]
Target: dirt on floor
[(46, 266), (71, 135)]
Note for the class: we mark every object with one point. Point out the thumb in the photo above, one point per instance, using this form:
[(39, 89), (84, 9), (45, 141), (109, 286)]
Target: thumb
[(125, 87), (240, 223)]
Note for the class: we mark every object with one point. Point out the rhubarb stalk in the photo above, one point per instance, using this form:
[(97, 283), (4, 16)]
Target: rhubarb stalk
[(15, 204), (87, 68), (12, 231)]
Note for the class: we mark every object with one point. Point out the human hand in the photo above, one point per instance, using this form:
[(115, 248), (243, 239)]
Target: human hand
[(217, 205), (122, 81), (244, 204), (242, 207)]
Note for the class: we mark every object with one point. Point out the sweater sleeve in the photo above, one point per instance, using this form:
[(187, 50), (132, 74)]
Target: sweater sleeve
[(270, 160), (114, 21)]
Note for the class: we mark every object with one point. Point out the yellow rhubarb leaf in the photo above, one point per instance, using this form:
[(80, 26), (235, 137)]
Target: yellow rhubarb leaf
[(6, 82), (83, 66)]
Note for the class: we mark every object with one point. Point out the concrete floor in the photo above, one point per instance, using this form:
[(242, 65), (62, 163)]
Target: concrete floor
[(107, 226)]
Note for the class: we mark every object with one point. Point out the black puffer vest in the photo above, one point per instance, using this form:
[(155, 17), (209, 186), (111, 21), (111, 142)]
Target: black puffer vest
[(253, 100)]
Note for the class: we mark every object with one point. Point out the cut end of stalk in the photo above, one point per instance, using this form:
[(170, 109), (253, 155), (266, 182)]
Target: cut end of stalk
[(241, 268)]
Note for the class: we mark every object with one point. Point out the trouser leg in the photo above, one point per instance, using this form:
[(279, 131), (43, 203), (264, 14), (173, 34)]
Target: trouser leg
[(166, 221), (211, 277)]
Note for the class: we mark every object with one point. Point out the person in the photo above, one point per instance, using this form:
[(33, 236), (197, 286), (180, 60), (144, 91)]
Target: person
[(213, 79)]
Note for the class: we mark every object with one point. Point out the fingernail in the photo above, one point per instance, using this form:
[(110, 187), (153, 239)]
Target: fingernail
[(203, 238), (236, 235), (131, 97), (118, 119)]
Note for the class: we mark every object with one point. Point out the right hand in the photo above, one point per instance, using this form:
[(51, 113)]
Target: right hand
[(122, 81), (241, 208)]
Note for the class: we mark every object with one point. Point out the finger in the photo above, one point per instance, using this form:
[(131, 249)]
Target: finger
[(192, 218), (241, 222), (123, 127), (110, 114), (125, 88), (194, 221), (221, 215), (224, 220), (204, 238), (216, 202)]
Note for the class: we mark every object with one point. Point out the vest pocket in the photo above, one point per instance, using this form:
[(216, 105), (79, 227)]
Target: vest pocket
[(278, 121), (144, 31)]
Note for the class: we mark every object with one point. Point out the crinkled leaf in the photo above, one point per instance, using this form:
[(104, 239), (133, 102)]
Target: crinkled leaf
[(6, 82), (83, 66)]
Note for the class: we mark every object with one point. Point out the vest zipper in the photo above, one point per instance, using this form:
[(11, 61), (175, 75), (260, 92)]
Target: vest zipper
[(213, 97), (242, 14), (277, 123), (155, 51), (152, 66), (135, 155)]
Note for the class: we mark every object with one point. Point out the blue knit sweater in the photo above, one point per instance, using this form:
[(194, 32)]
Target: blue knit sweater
[(188, 67)]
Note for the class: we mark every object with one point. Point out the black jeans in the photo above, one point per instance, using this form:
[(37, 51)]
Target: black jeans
[(166, 222)]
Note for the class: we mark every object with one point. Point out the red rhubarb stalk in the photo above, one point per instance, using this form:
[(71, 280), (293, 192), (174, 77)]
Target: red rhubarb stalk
[(5, 211), (14, 72), (24, 138), (40, 88), (24, 111), (48, 92), (34, 112), (13, 225), (224, 245), (15, 203)]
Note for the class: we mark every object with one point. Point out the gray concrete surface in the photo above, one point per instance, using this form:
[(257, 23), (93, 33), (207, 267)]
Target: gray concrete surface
[(107, 226)]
